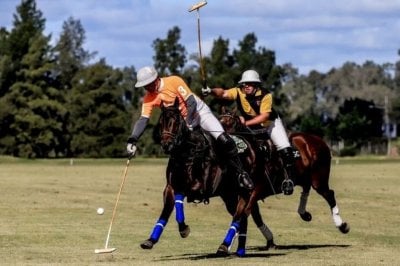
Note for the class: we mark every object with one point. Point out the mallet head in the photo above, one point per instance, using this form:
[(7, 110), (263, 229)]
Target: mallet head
[(198, 6)]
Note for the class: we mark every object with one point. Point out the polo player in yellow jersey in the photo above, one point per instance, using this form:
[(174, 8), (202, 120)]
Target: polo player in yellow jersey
[(255, 106), (164, 91)]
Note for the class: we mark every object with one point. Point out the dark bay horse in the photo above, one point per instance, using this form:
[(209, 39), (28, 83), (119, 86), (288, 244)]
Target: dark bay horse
[(313, 162), (193, 156)]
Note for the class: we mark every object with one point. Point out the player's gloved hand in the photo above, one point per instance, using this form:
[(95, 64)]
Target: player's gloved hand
[(206, 91), (131, 148)]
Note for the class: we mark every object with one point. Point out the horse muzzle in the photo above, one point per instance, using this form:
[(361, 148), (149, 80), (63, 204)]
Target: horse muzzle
[(167, 147)]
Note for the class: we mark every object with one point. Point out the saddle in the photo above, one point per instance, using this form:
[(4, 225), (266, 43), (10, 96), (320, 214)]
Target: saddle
[(208, 168)]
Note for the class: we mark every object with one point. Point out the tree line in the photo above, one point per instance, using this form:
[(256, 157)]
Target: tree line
[(61, 101)]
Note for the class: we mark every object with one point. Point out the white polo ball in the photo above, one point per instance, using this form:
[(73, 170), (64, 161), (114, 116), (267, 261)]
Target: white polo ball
[(100, 211)]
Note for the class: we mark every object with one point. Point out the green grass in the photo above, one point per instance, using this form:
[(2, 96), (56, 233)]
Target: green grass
[(48, 217)]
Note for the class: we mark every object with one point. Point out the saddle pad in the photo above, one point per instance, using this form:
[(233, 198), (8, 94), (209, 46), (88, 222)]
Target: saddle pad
[(240, 144)]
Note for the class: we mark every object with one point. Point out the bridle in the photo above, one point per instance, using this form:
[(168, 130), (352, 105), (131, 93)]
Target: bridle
[(172, 129)]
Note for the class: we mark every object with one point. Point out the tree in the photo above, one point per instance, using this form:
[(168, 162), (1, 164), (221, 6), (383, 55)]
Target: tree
[(38, 114), (170, 56), (358, 121), (70, 59), (261, 59), (220, 65), (369, 82), (30, 113), (70, 55), (28, 22), (98, 112)]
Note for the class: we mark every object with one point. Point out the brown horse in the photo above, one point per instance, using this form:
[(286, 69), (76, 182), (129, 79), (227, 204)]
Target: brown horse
[(193, 155), (312, 170)]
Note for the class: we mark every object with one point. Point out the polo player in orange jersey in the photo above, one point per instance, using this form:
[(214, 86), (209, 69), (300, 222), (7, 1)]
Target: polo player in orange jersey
[(164, 91)]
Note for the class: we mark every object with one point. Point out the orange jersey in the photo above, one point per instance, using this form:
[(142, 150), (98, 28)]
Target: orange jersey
[(170, 88)]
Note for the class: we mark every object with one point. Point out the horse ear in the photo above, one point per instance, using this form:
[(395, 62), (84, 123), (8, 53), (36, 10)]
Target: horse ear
[(234, 110), (223, 109), (176, 103)]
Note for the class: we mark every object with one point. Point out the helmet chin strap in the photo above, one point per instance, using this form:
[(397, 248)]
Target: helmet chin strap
[(159, 84), (251, 93)]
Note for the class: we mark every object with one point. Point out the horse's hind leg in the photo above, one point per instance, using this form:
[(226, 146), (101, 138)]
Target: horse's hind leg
[(329, 195), (162, 220), (301, 210), (265, 231)]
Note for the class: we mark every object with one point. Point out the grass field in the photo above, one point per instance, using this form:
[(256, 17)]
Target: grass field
[(48, 217)]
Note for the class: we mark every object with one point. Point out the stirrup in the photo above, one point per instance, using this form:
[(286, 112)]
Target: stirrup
[(287, 187), (245, 181)]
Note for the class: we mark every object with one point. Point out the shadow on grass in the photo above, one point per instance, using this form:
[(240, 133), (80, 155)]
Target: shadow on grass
[(194, 256), (298, 247)]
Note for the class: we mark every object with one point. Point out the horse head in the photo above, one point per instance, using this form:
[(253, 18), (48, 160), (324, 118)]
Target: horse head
[(230, 121), (172, 127)]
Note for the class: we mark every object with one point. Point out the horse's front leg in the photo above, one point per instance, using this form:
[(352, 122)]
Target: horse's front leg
[(239, 224), (242, 238), (162, 220), (184, 229)]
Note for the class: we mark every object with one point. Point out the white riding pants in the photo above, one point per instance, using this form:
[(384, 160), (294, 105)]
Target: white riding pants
[(278, 134), (208, 121)]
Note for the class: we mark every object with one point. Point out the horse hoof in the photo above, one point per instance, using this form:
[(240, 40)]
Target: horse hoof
[(185, 232), (241, 252), (306, 216), (344, 228), (270, 245), (147, 244), (223, 250)]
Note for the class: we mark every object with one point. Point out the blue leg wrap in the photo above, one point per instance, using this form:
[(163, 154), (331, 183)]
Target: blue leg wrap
[(231, 233), (158, 229), (180, 215)]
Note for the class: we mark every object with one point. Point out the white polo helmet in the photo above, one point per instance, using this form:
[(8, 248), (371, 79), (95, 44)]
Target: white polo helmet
[(250, 76), (145, 76)]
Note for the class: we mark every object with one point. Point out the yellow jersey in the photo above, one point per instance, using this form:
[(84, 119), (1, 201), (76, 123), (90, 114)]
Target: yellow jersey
[(251, 106)]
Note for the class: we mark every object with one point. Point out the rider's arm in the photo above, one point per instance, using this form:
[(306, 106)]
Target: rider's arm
[(138, 129), (191, 110), (257, 119), (219, 93)]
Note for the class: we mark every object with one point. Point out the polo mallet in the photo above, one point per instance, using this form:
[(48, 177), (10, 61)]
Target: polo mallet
[(202, 70), (106, 249)]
